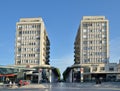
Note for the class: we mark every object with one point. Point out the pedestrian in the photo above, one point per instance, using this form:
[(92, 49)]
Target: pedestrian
[(14, 84), (10, 84)]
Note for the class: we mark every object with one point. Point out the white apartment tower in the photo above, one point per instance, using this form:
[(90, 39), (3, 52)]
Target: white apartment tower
[(32, 44), (92, 41)]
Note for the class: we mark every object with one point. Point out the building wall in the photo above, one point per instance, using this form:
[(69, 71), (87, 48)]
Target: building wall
[(92, 41), (112, 67), (69, 77), (32, 43), (92, 51)]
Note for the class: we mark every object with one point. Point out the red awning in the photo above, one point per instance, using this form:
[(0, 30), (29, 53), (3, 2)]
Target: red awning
[(8, 75), (1, 75)]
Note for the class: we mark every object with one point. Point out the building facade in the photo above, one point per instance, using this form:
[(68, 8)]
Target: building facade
[(91, 47), (91, 59), (92, 41), (32, 43)]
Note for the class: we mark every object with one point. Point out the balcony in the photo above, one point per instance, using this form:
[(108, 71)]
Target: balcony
[(47, 57), (19, 39), (18, 44), (38, 37), (48, 52), (19, 28), (48, 47)]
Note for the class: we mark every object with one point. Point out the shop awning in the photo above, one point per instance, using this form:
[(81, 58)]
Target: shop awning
[(1, 75), (8, 75)]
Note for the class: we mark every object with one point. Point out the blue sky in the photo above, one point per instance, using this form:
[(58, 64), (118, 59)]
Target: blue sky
[(62, 18)]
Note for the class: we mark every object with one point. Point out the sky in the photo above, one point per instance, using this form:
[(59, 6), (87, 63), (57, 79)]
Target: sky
[(62, 19)]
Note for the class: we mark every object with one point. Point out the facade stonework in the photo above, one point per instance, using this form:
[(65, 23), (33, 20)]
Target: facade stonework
[(32, 43), (91, 55)]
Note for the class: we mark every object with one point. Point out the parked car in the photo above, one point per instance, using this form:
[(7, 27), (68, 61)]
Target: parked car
[(23, 82)]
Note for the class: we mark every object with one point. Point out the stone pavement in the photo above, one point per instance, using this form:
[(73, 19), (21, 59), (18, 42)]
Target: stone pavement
[(33, 86), (84, 85)]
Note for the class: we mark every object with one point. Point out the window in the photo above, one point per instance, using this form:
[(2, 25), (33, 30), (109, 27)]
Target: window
[(26, 61), (84, 36), (19, 38), (103, 36), (99, 36), (20, 32), (84, 25), (103, 42), (103, 53), (24, 55), (37, 49), (35, 26), (85, 48), (19, 27), (111, 69), (97, 24), (36, 55), (84, 30), (90, 24), (18, 44), (85, 60), (84, 42), (91, 42), (103, 30), (23, 32), (85, 54), (100, 41), (103, 24), (18, 62), (38, 26), (94, 69), (32, 26), (99, 30), (91, 47), (19, 49), (102, 68)]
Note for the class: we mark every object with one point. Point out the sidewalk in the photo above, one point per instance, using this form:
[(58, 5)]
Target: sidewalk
[(33, 86), (23, 87)]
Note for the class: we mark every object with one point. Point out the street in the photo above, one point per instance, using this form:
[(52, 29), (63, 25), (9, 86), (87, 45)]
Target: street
[(109, 86), (82, 87)]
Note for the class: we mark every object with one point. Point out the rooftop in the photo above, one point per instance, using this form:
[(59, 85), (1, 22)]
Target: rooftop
[(93, 17), (39, 19)]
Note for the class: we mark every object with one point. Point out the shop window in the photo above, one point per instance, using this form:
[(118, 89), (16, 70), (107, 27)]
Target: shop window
[(102, 68), (94, 69), (111, 69)]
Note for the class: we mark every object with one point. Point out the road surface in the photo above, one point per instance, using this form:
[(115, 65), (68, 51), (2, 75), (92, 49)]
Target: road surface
[(73, 87)]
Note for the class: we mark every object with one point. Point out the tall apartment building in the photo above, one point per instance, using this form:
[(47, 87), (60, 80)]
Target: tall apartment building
[(92, 41), (32, 44)]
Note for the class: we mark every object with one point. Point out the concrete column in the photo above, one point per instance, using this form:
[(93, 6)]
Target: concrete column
[(91, 68), (81, 70), (50, 75), (90, 77), (39, 75), (70, 77)]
